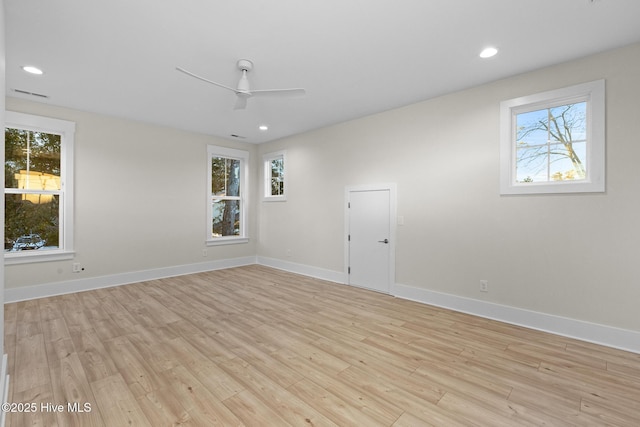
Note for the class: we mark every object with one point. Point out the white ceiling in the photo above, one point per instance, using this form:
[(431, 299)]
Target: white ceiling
[(353, 57)]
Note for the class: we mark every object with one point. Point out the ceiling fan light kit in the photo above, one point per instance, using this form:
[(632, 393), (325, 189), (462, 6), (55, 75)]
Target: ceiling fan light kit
[(243, 88)]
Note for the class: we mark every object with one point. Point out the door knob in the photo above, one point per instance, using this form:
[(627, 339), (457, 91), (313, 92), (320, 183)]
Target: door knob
[(383, 241)]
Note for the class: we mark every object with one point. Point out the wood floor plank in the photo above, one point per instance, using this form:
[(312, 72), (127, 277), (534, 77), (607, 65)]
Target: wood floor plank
[(31, 368), (331, 406), (432, 415), (203, 407), (72, 390), (369, 404), (28, 319), (36, 396), (132, 366), (258, 346), (252, 411), (288, 406), (162, 409), (117, 404), (409, 420), (95, 360)]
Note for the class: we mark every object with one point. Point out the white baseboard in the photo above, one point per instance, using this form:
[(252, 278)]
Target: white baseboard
[(305, 270), (609, 336), (79, 285)]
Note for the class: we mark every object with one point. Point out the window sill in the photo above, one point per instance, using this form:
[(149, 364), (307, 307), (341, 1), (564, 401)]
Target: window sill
[(558, 187), (227, 241), (27, 258), (274, 199)]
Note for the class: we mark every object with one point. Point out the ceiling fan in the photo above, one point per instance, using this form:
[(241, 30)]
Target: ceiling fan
[(243, 89)]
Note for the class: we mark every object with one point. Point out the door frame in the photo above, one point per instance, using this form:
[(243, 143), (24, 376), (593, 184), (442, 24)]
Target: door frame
[(393, 221)]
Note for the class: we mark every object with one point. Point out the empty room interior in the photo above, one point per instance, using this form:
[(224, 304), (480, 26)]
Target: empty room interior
[(321, 213)]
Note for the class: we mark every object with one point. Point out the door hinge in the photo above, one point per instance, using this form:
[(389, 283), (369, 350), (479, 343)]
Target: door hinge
[(348, 270), (348, 237), (349, 205)]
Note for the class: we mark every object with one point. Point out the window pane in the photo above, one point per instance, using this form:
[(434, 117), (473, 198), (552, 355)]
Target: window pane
[(225, 176), (31, 222), (32, 160), (226, 218), (277, 177), (569, 122), (277, 187), (565, 161), (531, 164), (531, 128)]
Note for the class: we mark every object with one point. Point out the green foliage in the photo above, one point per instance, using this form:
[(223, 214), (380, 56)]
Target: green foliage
[(43, 150), (37, 152)]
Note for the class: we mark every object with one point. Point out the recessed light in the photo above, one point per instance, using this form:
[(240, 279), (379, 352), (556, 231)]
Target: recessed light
[(263, 127), (488, 52), (32, 70)]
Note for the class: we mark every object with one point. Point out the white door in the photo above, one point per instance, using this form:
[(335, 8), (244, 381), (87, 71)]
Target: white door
[(369, 234)]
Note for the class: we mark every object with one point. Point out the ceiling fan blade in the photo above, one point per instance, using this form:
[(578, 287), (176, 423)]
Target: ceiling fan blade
[(241, 103), (189, 73), (279, 92)]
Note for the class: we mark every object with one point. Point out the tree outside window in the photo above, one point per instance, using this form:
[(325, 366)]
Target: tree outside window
[(277, 177), (225, 190), (227, 195), (551, 144), (32, 190)]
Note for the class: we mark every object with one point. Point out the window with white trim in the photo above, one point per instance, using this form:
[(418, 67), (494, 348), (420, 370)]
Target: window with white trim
[(227, 195), (554, 142), (38, 194), (275, 183)]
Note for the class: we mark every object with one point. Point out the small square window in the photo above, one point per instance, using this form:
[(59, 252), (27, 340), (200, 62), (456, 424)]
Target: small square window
[(553, 142)]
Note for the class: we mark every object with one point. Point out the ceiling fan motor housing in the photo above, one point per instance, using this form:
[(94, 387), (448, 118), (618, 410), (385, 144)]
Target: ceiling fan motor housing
[(245, 65)]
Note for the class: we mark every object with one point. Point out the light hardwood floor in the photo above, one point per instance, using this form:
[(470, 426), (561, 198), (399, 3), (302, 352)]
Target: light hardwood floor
[(260, 347)]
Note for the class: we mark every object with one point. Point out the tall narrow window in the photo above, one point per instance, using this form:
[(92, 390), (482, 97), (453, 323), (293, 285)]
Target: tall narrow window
[(553, 142), (38, 191), (227, 196), (275, 184)]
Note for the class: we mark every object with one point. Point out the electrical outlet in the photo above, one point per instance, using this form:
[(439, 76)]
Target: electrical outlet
[(76, 267), (289, 253), (484, 286), (204, 252)]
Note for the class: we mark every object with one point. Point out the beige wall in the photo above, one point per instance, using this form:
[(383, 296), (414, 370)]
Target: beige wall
[(574, 256), (139, 201)]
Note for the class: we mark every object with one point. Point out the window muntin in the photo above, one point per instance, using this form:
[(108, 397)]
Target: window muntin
[(553, 142), (38, 188), (226, 206), (275, 184)]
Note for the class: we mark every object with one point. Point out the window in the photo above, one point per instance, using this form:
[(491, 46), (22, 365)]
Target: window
[(227, 196), (38, 170), (274, 176), (554, 142)]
